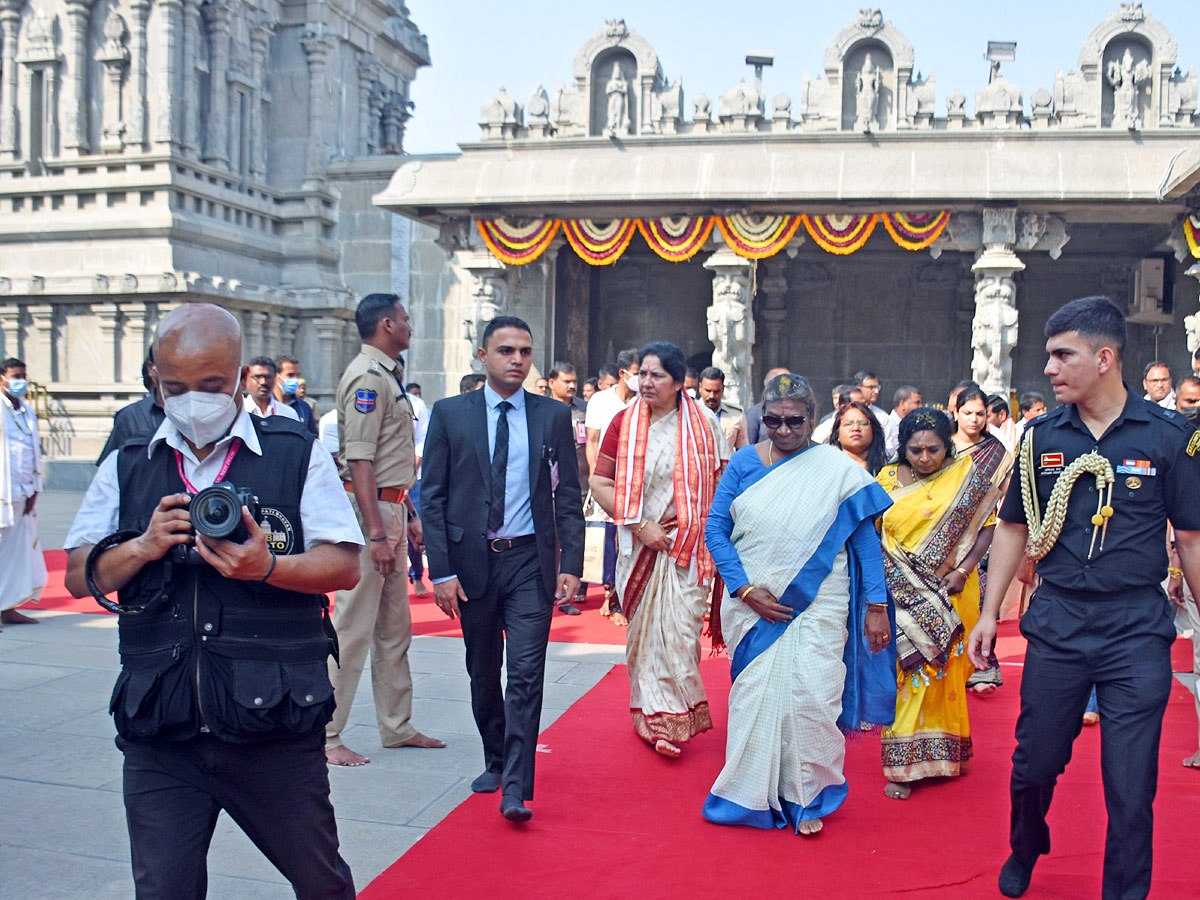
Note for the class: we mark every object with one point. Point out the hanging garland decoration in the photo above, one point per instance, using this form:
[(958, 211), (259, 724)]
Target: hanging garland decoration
[(1191, 231), (676, 238), (840, 234), (599, 244), (518, 245), (757, 237), (916, 231)]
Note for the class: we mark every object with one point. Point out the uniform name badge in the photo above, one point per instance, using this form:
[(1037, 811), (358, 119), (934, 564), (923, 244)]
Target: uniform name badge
[(364, 401), (1052, 463)]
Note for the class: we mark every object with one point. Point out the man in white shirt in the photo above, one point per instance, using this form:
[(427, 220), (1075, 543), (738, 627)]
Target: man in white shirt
[(260, 390), (905, 400), (1032, 404), (868, 383), (22, 567), (1156, 379)]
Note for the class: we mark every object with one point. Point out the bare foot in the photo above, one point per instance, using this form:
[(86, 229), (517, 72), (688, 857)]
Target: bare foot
[(1193, 761), (1091, 718), (897, 791), (12, 617), (344, 756), (421, 589), (983, 688), (419, 740), (809, 827), (618, 619), (666, 748)]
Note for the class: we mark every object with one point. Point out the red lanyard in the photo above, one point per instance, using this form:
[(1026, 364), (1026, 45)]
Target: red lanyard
[(191, 488)]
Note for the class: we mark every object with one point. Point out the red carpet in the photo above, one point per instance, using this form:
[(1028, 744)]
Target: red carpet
[(614, 820)]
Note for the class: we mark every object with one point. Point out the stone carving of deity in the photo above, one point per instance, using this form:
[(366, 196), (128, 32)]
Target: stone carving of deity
[(730, 327), (490, 296), (993, 334), (867, 86), (1127, 79), (617, 89)]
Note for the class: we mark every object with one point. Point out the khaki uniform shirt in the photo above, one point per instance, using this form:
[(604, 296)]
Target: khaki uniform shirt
[(733, 423), (375, 420)]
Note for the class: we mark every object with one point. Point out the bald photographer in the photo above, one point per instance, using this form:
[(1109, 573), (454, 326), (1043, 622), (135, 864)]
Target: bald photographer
[(220, 535)]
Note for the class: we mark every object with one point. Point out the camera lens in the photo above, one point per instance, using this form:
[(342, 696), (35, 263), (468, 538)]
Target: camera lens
[(216, 512)]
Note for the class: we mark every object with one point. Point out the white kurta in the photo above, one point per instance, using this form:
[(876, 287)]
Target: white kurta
[(22, 567)]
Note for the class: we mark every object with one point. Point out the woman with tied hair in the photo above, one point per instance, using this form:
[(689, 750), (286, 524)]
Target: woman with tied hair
[(805, 618), (858, 434), (655, 475), (939, 527)]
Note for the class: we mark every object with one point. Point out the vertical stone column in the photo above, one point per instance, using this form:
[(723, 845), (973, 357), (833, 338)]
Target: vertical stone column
[(115, 57), (189, 94), (10, 329), (252, 333), (170, 100), (328, 361), (135, 120), (42, 337), (133, 341), (107, 316), (368, 74), (75, 117), (994, 326), (316, 48), (273, 344), (489, 297), (731, 321), (216, 137), (774, 314), (375, 119), (260, 42), (10, 21)]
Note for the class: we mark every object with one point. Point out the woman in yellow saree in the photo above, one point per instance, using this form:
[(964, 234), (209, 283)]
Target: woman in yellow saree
[(939, 527)]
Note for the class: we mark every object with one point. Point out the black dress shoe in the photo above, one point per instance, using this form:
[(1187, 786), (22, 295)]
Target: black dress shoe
[(487, 783), (570, 609), (514, 810), (1015, 875)]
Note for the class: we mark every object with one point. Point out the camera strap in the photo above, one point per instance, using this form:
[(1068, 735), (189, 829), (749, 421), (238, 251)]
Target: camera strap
[(233, 451)]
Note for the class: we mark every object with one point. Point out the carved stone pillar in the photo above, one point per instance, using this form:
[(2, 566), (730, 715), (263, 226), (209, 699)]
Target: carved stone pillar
[(375, 118), (395, 114), (260, 41), (115, 57), (216, 136), (10, 329), (368, 74), (42, 338), (133, 342), (273, 340), (490, 297), (253, 323), (316, 49), (10, 21), (135, 118), (774, 314), (190, 89), (168, 128), (329, 338), (731, 321), (75, 104), (107, 317), (994, 326)]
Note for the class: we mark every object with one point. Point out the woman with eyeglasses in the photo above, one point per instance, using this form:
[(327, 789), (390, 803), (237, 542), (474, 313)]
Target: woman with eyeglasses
[(938, 528), (655, 475), (858, 434), (805, 618)]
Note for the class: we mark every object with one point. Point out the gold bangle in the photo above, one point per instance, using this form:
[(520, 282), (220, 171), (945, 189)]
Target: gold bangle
[(640, 525), (1172, 572), (962, 572), (744, 590)]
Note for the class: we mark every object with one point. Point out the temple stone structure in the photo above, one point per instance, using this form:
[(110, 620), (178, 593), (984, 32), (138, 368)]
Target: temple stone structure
[(1080, 185), (161, 152)]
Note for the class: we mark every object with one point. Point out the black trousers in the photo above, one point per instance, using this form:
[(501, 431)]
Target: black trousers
[(276, 791), (513, 605), (1121, 644)]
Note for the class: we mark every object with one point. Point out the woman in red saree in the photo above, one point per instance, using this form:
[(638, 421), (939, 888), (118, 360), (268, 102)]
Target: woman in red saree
[(656, 472)]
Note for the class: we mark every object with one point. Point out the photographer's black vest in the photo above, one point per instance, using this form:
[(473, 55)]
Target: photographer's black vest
[(242, 660)]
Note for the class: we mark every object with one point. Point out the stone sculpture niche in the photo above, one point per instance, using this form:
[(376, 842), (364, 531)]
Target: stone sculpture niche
[(1127, 77), (615, 86), (866, 96), (868, 89)]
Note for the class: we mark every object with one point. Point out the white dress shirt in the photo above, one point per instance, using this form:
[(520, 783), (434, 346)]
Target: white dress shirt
[(20, 440), (274, 408), (325, 512)]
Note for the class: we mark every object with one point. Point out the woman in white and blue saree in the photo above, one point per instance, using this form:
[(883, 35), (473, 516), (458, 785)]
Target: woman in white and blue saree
[(806, 619)]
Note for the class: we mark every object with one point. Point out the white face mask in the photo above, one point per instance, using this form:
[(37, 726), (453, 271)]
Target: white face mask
[(631, 382), (201, 417)]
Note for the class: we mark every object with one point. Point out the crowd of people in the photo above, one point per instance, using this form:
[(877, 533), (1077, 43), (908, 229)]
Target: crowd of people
[(853, 564)]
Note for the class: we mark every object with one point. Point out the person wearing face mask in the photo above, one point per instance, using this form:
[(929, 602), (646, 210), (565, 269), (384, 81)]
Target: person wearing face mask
[(259, 386), (287, 391), (601, 410), (22, 567), (223, 693)]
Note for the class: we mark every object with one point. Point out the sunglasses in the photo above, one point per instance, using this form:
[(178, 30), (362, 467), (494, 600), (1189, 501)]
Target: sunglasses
[(793, 422)]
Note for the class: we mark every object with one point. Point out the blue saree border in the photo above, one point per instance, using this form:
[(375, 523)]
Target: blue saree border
[(720, 811)]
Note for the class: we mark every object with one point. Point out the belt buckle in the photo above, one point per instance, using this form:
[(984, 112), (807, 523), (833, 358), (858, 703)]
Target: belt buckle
[(495, 549)]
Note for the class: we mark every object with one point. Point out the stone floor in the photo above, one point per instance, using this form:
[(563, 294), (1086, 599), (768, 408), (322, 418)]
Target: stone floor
[(63, 828)]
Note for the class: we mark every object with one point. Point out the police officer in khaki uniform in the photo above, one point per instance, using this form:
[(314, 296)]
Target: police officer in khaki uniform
[(377, 461)]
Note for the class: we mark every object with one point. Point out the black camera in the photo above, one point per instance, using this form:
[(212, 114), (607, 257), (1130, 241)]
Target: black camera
[(216, 513)]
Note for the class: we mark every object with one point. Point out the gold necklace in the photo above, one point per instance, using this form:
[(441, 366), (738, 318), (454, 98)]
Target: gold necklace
[(771, 453)]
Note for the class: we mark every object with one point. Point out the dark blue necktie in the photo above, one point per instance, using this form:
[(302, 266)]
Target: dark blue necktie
[(499, 469)]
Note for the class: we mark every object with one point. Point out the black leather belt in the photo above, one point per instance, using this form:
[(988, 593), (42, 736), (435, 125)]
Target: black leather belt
[(500, 545)]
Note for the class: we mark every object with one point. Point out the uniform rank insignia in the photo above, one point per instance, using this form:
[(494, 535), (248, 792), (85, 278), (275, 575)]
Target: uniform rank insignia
[(1193, 446), (1136, 467), (1052, 460), (364, 401)]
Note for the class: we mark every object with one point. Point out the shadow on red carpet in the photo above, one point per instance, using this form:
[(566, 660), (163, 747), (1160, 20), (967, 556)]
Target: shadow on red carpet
[(614, 820)]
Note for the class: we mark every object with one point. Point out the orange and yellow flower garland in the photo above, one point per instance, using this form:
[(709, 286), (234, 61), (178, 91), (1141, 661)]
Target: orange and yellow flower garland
[(916, 231), (676, 238), (1191, 231), (840, 234), (599, 244), (517, 245)]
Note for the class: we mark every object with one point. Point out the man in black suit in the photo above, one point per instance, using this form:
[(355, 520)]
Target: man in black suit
[(499, 492)]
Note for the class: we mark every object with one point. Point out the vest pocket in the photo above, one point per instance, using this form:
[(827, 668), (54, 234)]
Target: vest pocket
[(153, 693), (255, 698)]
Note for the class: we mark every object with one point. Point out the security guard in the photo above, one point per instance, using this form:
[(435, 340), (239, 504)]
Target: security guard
[(378, 466), (1124, 466), (223, 693)]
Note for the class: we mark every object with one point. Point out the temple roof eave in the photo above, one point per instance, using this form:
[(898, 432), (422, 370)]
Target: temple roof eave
[(594, 178)]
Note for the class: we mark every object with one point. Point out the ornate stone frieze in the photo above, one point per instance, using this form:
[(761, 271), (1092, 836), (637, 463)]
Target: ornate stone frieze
[(500, 116), (741, 108), (114, 55)]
